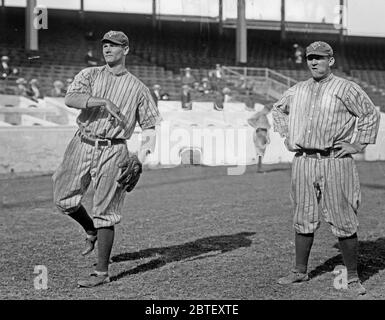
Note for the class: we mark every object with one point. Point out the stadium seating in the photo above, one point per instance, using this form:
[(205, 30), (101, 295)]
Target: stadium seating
[(157, 55)]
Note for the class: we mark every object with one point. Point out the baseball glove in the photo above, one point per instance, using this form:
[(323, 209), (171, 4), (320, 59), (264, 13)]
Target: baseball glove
[(131, 170)]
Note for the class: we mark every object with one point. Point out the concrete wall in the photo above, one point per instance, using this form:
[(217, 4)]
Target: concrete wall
[(37, 149), (40, 149), (33, 148)]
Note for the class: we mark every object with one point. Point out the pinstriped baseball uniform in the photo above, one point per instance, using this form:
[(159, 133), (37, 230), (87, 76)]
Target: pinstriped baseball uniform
[(317, 115), (84, 163)]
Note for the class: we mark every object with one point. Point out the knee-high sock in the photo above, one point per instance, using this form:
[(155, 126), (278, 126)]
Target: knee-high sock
[(105, 242), (259, 162), (81, 216), (349, 250), (303, 244)]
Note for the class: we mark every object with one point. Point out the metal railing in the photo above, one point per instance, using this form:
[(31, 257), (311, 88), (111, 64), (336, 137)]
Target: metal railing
[(275, 82)]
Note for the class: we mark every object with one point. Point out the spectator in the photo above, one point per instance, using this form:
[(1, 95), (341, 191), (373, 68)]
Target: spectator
[(186, 97), (165, 96), (90, 60), (67, 84), (226, 94), (218, 71), (6, 69), (58, 89), (34, 91), (196, 87), (155, 92), (205, 87), (21, 87), (298, 54), (188, 78), (213, 81), (261, 137), (241, 83), (217, 78), (90, 35), (221, 98)]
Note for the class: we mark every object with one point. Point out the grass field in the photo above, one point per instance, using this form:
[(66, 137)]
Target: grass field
[(187, 233)]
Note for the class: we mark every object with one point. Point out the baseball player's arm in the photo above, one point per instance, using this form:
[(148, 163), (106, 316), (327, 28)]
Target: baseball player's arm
[(147, 115), (85, 101), (280, 113), (79, 94), (368, 121), (79, 91), (368, 118), (147, 144)]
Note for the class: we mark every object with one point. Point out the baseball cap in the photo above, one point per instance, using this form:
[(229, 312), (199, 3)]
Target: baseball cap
[(319, 48), (117, 37)]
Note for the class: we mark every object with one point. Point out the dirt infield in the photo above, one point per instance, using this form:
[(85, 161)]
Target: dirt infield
[(187, 233)]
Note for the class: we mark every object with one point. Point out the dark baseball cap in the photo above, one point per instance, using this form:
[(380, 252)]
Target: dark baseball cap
[(319, 48), (117, 37)]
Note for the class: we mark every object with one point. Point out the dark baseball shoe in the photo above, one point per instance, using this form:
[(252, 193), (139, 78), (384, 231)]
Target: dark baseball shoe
[(96, 278), (293, 277), (90, 244), (355, 287), (109, 262)]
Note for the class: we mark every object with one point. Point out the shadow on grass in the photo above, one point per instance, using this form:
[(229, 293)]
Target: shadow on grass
[(371, 260), (264, 170), (373, 186), (186, 251)]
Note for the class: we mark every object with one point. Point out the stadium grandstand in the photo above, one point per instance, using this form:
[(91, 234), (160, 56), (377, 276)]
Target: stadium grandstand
[(255, 56)]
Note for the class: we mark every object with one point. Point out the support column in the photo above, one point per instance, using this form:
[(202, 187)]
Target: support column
[(154, 14), (3, 22), (343, 65), (283, 22), (81, 14), (341, 13), (31, 33), (220, 17), (241, 34)]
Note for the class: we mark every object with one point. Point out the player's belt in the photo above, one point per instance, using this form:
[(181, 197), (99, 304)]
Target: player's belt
[(318, 154), (101, 142)]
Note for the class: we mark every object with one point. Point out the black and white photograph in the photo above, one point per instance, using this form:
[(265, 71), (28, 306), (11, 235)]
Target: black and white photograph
[(190, 157)]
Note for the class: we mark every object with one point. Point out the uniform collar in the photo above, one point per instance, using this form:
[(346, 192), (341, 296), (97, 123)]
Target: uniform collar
[(120, 73), (327, 79)]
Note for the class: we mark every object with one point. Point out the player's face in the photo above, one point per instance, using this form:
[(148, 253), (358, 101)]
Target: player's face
[(114, 53), (320, 66)]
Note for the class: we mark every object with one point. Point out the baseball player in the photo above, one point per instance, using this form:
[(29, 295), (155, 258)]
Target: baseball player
[(317, 117), (111, 101), (261, 137)]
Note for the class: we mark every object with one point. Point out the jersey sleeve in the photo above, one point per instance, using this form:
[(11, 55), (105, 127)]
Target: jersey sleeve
[(280, 113), (147, 113), (368, 118), (80, 89)]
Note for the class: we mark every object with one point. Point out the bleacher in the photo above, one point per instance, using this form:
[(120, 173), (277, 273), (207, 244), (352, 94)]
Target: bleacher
[(157, 55)]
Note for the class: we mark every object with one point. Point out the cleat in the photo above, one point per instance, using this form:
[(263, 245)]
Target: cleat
[(109, 262), (90, 244), (293, 277), (355, 287), (95, 279)]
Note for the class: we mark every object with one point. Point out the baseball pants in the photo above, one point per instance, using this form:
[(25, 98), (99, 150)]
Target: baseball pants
[(83, 164), (330, 186)]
